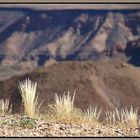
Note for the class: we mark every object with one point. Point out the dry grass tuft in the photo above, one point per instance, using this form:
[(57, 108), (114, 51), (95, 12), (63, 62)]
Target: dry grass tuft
[(92, 114), (29, 97), (5, 108), (63, 111), (64, 105), (126, 118), (63, 108)]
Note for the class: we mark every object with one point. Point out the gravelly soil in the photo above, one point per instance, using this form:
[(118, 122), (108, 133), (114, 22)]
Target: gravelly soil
[(42, 128)]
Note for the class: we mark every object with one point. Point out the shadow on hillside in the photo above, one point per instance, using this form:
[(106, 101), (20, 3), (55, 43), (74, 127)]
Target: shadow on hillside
[(133, 53)]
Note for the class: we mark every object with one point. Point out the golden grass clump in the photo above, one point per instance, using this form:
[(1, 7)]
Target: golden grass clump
[(92, 114), (63, 107), (29, 97), (63, 110), (5, 108), (126, 118)]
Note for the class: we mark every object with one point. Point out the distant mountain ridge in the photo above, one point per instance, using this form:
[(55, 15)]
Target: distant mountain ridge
[(31, 38)]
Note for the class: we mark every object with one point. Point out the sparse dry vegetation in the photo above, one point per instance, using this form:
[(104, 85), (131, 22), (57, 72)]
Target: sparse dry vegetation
[(92, 114), (64, 105), (30, 97), (5, 107), (125, 118), (63, 111)]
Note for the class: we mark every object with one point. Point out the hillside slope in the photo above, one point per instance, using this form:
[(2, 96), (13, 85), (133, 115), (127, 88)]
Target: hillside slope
[(106, 83)]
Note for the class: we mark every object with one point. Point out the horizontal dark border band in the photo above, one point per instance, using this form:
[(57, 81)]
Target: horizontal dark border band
[(70, 2), (70, 5)]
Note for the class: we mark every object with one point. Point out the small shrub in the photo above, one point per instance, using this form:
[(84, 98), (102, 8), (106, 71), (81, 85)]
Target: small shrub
[(5, 108), (29, 97), (24, 122)]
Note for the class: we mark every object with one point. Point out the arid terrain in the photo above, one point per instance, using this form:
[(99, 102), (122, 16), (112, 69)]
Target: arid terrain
[(106, 83), (42, 128), (93, 51), (33, 37)]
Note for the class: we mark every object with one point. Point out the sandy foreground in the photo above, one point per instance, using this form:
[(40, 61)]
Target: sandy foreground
[(19, 126)]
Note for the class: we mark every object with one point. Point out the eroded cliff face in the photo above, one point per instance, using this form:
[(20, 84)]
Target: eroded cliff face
[(32, 38)]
